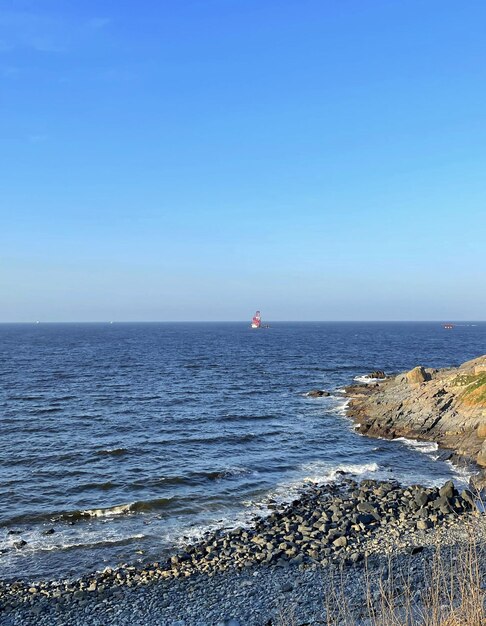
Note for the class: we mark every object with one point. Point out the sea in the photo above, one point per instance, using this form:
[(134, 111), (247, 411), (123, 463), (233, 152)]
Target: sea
[(119, 442)]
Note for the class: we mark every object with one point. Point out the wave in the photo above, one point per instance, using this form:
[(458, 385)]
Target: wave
[(193, 478), (462, 473), (367, 379), (139, 506), (65, 547), (319, 472), (112, 452), (341, 406), (231, 417), (426, 447), (50, 409), (106, 486), (27, 398), (228, 438)]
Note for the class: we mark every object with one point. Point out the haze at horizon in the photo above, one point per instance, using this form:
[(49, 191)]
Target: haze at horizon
[(197, 161)]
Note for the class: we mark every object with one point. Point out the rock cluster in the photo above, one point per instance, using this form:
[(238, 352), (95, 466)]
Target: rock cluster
[(446, 406)]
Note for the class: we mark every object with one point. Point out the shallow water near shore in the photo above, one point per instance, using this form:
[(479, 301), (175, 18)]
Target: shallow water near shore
[(126, 439)]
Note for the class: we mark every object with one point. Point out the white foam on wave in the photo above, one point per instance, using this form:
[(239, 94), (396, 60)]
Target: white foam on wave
[(320, 473), (88, 541), (462, 474), (122, 509), (366, 379), (341, 406), (316, 473), (238, 471), (426, 447), (66, 538)]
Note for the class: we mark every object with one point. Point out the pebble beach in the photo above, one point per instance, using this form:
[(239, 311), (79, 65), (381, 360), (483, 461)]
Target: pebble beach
[(282, 570)]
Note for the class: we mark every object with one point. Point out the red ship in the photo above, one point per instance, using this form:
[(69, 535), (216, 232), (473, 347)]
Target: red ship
[(256, 322)]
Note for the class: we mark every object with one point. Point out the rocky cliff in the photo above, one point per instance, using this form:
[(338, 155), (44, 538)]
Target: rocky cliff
[(447, 406)]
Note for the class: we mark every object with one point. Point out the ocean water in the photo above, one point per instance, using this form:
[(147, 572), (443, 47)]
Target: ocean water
[(128, 439)]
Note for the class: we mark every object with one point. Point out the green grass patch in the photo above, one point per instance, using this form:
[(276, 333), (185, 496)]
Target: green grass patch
[(475, 387)]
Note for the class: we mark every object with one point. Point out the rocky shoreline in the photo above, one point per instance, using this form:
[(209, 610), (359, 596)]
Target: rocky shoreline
[(337, 527), (280, 570), (446, 406)]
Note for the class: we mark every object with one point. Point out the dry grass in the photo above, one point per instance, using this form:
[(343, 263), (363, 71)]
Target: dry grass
[(453, 593)]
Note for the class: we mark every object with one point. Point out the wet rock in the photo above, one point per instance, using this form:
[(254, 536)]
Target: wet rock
[(421, 498), (445, 406), (468, 497), (380, 374), (448, 490), (317, 393)]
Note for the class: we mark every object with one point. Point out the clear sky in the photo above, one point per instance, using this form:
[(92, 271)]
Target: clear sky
[(199, 159)]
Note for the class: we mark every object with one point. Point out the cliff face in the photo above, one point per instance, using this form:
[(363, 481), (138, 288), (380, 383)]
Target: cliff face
[(447, 406)]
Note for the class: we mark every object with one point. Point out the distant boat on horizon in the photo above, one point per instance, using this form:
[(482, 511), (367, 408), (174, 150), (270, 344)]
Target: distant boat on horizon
[(448, 326), (256, 321)]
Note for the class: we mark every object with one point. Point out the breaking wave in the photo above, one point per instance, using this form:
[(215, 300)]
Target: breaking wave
[(367, 379), (427, 447)]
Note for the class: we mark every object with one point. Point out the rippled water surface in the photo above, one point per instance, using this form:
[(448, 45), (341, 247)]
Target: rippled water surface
[(125, 438)]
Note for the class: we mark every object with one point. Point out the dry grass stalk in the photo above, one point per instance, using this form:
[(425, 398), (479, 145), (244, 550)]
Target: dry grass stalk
[(453, 593)]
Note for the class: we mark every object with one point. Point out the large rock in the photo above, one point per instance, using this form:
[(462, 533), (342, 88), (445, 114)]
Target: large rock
[(317, 393), (376, 374), (449, 409), (417, 375)]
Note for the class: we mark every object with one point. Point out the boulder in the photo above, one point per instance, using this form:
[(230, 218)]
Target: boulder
[(365, 507), (376, 374), (481, 431), (421, 498), (365, 518), (417, 375), (317, 393), (447, 490), (468, 497)]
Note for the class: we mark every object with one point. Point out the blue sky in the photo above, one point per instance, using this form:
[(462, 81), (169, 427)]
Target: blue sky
[(196, 160)]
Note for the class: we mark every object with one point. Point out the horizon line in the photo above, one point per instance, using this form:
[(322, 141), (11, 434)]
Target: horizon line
[(292, 321)]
